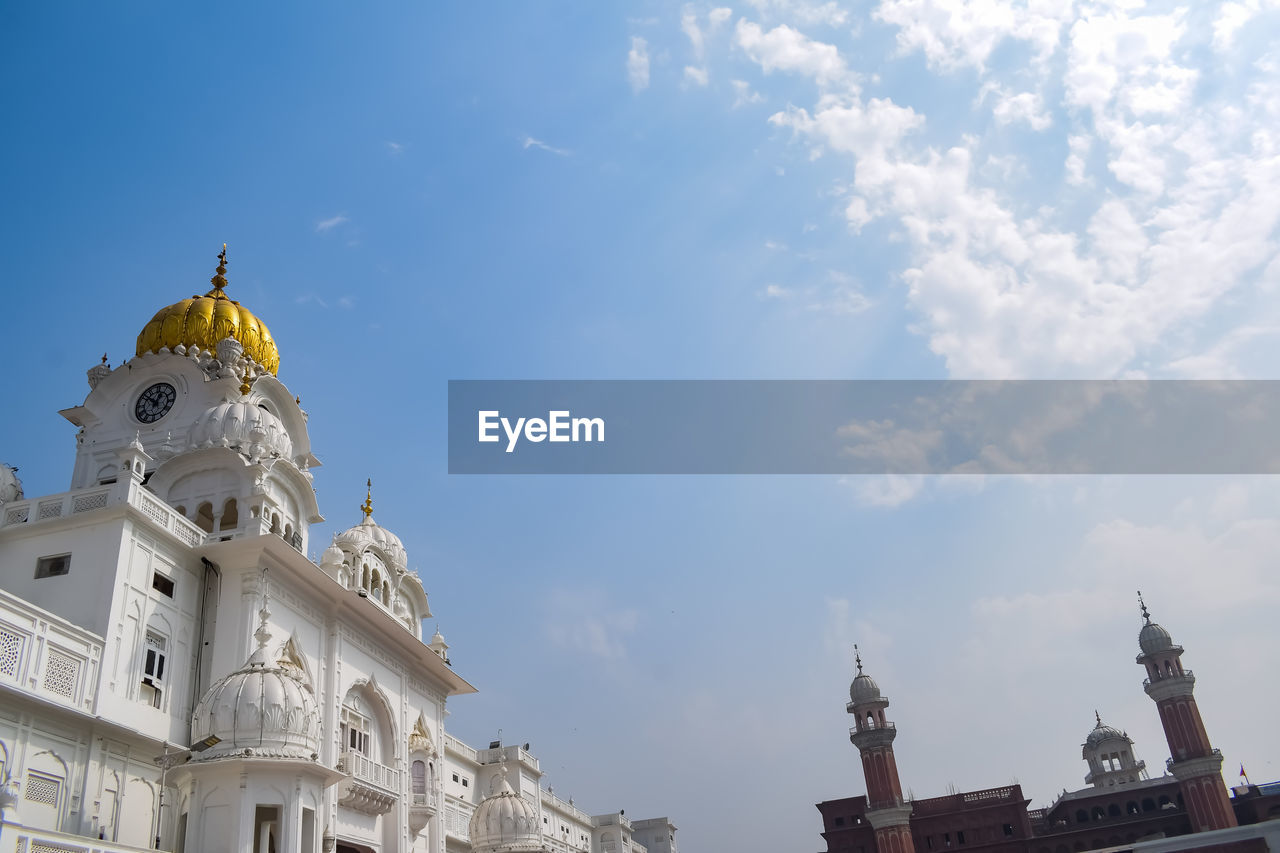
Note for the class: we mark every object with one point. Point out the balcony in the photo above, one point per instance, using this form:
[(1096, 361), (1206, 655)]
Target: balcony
[(371, 788), (18, 837), (46, 656)]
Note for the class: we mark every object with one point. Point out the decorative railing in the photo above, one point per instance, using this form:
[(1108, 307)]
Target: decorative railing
[(22, 838), (451, 742), (1172, 676), (46, 655), (366, 769), (568, 808), (55, 506), (168, 518), (952, 802), (495, 755), (612, 820), (38, 510)]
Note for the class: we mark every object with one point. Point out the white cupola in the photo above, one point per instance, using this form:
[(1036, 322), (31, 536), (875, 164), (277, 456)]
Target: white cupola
[(265, 709), (504, 822)]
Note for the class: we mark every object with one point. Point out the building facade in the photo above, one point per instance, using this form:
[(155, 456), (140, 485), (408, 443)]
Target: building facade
[(176, 673), (1121, 806)]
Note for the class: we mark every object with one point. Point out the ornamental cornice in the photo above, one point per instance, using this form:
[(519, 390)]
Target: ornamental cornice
[(1194, 768), (899, 815), (1170, 687), (872, 738)]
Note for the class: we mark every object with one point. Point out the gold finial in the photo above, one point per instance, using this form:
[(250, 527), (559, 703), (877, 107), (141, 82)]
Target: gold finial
[(219, 281), (245, 385), (857, 658), (367, 507)]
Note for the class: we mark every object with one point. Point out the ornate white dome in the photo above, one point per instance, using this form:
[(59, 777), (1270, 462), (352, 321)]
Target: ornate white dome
[(10, 485), (1102, 732), (332, 556), (242, 426), (1154, 639), (505, 822), (265, 708), (369, 533), (863, 689)]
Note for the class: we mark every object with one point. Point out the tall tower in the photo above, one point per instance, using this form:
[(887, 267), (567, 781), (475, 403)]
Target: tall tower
[(873, 735), (1195, 764)]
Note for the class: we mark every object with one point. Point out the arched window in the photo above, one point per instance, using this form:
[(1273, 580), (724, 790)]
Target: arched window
[(1113, 810), (230, 515), (1082, 816), (1148, 804), (418, 771), (275, 523), (1098, 813), (204, 517), (1131, 807)]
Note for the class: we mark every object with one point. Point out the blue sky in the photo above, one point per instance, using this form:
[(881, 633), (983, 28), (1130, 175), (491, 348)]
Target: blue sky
[(782, 189)]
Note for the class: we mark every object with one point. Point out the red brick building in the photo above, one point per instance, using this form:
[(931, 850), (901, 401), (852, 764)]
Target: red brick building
[(1121, 806)]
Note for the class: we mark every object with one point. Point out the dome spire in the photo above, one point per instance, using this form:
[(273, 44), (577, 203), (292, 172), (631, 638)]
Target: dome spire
[(367, 506), (263, 634), (219, 280), (1146, 614), (1097, 717), (857, 658)]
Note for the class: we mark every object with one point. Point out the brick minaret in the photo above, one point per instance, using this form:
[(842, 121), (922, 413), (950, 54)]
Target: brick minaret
[(1195, 764), (873, 735)]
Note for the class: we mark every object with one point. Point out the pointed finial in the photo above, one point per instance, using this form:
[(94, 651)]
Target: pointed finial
[(219, 280), (263, 634), (857, 658), (1097, 717), (367, 507), (1146, 614), (104, 358)]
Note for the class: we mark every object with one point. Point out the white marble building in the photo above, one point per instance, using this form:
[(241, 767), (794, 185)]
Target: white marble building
[(176, 673)]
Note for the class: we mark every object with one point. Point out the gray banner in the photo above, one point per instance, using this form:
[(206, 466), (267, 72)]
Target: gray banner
[(863, 427)]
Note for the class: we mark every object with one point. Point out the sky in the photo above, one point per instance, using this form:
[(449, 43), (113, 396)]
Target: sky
[(777, 189)]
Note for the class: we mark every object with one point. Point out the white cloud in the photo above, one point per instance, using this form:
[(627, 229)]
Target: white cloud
[(802, 12), (638, 64), (885, 491), (331, 223), (719, 15), (1006, 290), (1025, 107), (954, 34), (585, 621), (395, 147), (743, 94), (529, 142), (785, 49), (696, 76), (689, 25)]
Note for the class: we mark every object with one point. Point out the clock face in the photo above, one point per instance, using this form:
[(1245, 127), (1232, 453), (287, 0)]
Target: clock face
[(155, 403)]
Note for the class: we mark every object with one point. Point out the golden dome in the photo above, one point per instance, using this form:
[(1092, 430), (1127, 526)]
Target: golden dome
[(204, 320)]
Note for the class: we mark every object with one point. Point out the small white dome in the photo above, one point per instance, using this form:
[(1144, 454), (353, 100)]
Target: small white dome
[(242, 426), (10, 485), (369, 533), (863, 689), (265, 708), (505, 822), (332, 556), (1154, 639)]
